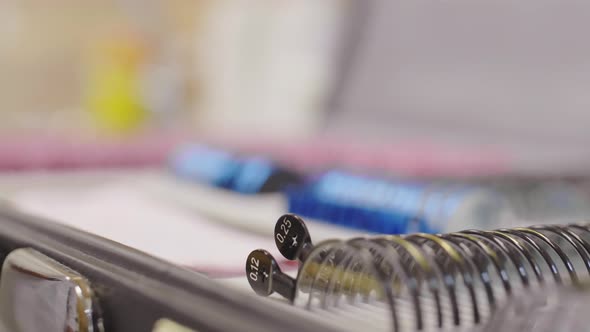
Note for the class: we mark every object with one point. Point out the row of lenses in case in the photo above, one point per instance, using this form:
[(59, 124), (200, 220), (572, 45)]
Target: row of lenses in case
[(420, 281)]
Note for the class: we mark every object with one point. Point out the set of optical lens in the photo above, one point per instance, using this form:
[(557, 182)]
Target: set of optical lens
[(433, 282)]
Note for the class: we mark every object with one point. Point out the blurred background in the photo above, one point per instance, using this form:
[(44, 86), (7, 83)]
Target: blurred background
[(417, 95), (123, 67), (498, 75)]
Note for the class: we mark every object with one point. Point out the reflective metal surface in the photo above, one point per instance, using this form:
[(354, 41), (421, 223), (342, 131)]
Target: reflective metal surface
[(39, 294)]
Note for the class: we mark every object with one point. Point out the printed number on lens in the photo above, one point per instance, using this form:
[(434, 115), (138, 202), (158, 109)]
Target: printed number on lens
[(254, 263), (285, 227)]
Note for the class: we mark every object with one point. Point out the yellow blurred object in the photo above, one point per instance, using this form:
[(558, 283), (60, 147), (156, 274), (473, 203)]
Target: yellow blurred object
[(115, 87)]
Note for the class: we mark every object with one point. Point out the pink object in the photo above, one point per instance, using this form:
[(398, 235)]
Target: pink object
[(54, 152), (403, 158)]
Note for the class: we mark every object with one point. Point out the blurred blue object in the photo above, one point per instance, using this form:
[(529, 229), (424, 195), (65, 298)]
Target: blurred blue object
[(205, 165), (222, 169), (384, 205), (396, 206), (378, 205)]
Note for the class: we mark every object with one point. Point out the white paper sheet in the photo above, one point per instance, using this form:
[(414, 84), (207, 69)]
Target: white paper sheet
[(119, 208)]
